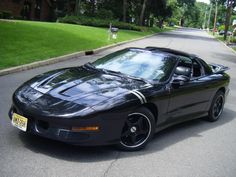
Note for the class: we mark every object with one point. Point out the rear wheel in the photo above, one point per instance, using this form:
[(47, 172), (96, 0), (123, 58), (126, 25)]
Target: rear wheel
[(217, 107), (138, 130)]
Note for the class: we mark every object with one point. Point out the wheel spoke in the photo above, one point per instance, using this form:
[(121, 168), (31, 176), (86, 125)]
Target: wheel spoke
[(142, 132), (133, 138), (140, 124), (129, 124), (125, 133)]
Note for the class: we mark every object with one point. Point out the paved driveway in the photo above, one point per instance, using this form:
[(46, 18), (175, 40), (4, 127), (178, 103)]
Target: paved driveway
[(195, 148)]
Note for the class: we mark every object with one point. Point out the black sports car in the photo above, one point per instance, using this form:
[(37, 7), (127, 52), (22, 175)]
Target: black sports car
[(122, 98)]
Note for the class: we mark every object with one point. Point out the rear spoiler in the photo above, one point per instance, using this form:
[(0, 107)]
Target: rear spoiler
[(218, 69)]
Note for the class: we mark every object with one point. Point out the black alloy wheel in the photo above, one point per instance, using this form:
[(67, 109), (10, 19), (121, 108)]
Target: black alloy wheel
[(138, 130), (217, 107)]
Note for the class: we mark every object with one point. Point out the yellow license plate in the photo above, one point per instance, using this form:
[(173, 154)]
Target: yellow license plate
[(19, 121)]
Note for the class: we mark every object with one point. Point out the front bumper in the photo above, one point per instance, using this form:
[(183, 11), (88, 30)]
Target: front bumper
[(110, 127)]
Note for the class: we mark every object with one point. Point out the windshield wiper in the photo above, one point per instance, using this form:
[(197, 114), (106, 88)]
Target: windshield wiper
[(126, 76), (117, 73), (112, 72), (138, 79), (90, 65)]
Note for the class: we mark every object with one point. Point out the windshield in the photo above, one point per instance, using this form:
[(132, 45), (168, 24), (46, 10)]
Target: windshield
[(138, 63)]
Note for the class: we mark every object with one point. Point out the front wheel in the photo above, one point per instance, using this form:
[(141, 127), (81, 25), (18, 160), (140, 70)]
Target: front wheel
[(138, 130), (217, 107)]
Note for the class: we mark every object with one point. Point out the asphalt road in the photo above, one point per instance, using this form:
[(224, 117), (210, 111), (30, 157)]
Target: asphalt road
[(193, 149)]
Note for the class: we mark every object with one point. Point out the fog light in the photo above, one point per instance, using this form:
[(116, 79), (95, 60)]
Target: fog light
[(90, 128)]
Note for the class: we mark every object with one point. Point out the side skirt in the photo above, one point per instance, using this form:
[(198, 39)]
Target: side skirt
[(179, 120)]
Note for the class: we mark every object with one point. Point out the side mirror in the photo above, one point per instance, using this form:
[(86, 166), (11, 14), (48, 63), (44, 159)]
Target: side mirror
[(183, 76), (181, 70), (180, 80)]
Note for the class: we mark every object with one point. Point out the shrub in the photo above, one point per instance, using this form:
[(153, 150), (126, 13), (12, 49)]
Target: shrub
[(233, 39), (6, 14), (221, 27), (18, 17), (97, 22)]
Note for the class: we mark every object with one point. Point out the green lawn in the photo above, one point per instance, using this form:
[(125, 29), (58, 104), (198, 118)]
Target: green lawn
[(26, 41)]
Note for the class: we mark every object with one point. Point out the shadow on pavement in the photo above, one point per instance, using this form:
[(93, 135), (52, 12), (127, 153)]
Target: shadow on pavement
[(224, 56), (186, 36), (161, 140)]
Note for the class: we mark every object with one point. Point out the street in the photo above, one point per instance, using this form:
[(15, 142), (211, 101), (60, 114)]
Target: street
[(192, 149)]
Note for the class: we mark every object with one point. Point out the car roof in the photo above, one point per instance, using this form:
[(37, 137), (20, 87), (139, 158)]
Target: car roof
[(171, 51), (165, 51)]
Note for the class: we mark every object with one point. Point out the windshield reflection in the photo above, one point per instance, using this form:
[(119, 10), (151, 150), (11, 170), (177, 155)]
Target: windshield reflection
[(139, 63)]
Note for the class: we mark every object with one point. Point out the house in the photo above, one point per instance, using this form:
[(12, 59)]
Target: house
[(42, 10)]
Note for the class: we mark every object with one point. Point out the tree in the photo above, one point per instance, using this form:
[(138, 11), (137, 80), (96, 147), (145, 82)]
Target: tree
[(160, 9), (142, 12), (77, 7), (114, 6), (186, 2), (124, 10), (230, 4)]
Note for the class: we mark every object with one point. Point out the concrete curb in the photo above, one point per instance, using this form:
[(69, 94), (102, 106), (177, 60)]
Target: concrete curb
[(65, 57)]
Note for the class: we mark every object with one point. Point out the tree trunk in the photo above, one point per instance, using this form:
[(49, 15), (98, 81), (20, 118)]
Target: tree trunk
[(142, 12), (124, 10), (209, 18), (77, 7), (228, 16), (215, 19), (161, 23)]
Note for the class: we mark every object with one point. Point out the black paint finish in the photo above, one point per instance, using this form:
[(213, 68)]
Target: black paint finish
[(56, 101)]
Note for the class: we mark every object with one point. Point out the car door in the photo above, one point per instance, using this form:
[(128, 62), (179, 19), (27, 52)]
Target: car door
[(191, 98)]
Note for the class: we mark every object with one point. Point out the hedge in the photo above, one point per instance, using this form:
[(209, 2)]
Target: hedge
[(96, 22), (6, 14)]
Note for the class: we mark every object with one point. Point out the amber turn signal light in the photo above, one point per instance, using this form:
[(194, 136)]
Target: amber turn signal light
[(90, 128)]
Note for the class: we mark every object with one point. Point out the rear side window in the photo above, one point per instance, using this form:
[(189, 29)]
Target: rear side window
[(206, 67), (197, 70)]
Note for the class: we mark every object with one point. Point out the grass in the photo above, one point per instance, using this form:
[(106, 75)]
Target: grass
[(24, 42)]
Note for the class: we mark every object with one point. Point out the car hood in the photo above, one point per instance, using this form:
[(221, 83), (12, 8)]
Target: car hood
[(73, 89)]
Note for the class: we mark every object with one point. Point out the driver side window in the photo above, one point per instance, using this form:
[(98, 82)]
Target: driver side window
[(185, 62), (196, 68)]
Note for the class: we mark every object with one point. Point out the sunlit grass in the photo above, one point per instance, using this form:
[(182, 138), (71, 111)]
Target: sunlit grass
[(24, 42)]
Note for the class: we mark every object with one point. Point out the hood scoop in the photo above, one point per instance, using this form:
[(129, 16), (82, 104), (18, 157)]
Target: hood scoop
[(61, 78), (92, 85)]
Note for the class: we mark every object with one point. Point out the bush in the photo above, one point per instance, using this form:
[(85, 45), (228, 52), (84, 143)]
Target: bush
[(221, 27), (233, 39), (6, 14), (97, 22), (18, 18)]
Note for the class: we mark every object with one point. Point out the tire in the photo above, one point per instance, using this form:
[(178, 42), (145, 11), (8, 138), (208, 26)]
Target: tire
[(217, 107), (138, 129)]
